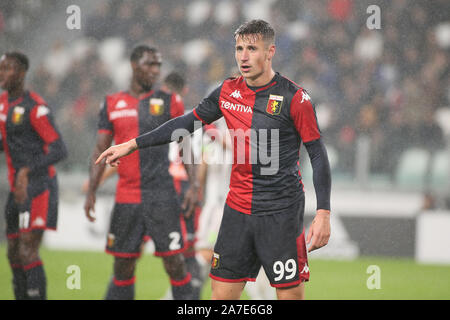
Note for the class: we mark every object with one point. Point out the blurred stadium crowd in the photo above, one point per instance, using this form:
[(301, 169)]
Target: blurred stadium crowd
[(386, 85)]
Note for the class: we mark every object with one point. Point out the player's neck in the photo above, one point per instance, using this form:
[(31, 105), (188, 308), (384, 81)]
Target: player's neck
[(16, 92), (262, 80), (137, 90)]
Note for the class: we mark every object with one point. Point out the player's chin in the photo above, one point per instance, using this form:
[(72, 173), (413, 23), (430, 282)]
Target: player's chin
[(147, 85)]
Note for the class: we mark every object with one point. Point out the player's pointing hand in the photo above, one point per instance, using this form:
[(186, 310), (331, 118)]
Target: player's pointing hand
[(114, 153)]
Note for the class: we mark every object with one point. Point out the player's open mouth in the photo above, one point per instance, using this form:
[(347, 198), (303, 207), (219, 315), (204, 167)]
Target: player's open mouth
[(245, 68)]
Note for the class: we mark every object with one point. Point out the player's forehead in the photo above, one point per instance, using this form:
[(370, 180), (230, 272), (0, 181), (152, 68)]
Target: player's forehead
[(4, 59), (150, 57), (8, 61), (254, 39)]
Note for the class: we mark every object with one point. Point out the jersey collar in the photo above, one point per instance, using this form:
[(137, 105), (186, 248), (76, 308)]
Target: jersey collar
[(266, 86)]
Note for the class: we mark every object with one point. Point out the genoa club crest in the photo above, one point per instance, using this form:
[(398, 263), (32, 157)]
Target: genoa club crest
[(215, 261), (17, 116), (274, 105), (110, 240), (156, 106)]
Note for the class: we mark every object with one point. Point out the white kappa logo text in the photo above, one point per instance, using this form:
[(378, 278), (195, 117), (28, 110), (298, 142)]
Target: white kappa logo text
[(236, 94)]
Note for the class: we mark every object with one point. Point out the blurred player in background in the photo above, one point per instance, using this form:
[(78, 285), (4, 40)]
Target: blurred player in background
[(262, 223), (175, 83), (214, 175), (32, 145), (146, 201)]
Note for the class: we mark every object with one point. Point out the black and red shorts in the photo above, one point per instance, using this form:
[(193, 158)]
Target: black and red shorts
[(38, 212), (274, 241), (159, 219)]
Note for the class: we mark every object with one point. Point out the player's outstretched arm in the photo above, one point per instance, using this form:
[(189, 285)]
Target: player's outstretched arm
[(114, 153), (164, 134)]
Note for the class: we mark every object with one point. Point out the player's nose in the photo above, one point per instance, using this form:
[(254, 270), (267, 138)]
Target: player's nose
[(245, 55)]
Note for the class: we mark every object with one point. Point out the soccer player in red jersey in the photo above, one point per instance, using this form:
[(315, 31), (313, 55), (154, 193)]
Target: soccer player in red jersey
[(268, 117), (146, 203), (32, 145)]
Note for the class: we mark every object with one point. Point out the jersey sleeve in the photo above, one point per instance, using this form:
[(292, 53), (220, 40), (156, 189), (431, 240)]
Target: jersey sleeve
[(208, 110), (176, 106), (303, 114), (41, 120), (104, 125)]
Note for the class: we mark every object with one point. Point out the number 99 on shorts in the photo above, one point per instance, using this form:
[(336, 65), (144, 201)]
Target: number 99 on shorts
[(285, 270)]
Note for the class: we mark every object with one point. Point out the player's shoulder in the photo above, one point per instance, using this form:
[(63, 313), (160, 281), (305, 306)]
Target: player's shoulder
[(234, 85), (290, 85), (35, 98), (162, 97), (4, 95), (234, 81), (297, 91), (117, 100), (117, 95)]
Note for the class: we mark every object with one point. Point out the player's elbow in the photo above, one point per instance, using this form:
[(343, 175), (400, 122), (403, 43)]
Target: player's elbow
[(60, 150)]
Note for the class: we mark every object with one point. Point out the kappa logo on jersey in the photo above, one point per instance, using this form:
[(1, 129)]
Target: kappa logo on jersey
[(236, 94), (215, 261), (42, 111), (305, 96), (121, 104), (17, 116), (156, 106), (274, 105)]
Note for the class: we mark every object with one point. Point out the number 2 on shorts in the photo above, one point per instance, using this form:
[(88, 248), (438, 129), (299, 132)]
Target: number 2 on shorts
[(175, 243)]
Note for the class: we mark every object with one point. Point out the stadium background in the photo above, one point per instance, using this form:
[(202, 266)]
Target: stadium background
[(383, 104)]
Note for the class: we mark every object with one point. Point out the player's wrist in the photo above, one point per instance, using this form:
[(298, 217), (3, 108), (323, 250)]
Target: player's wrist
[(132, 145), (323, 212), (25, 170)]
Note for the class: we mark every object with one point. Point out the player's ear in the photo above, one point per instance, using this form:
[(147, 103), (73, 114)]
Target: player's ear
[(271, 52), (21, 73), (133, 65)]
